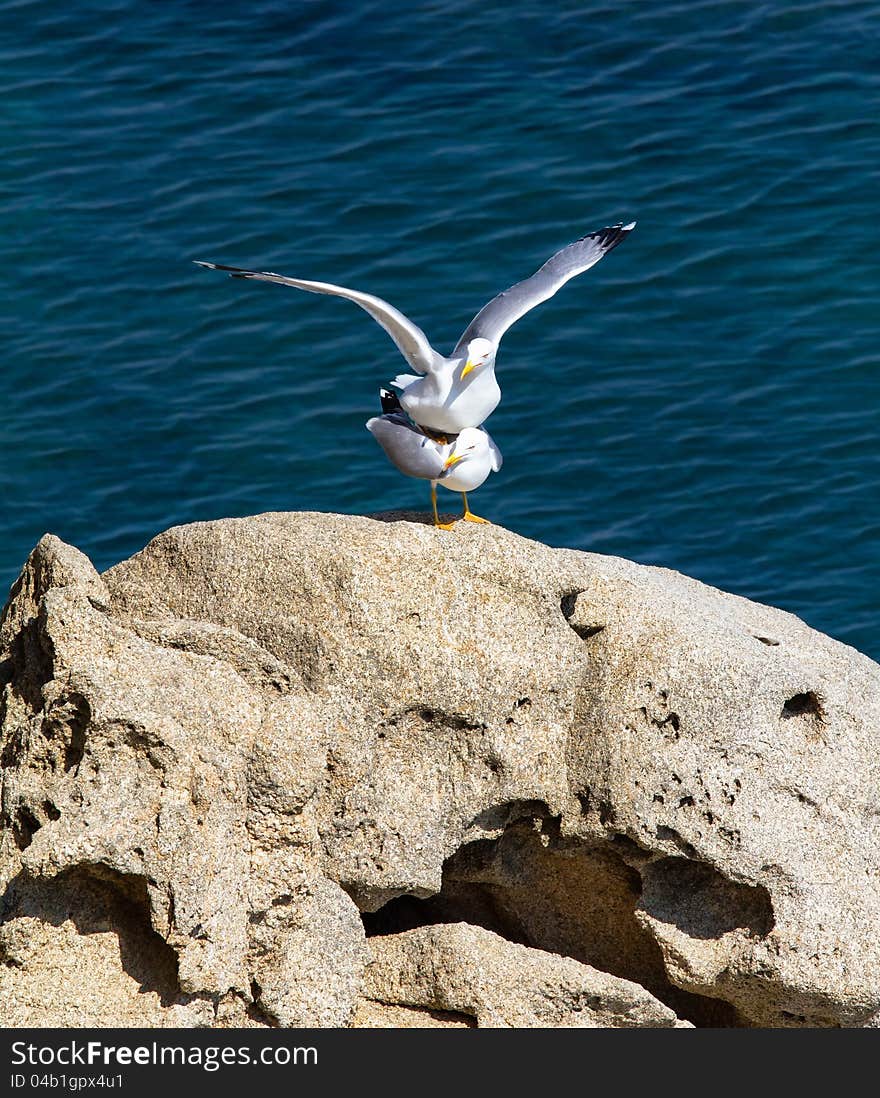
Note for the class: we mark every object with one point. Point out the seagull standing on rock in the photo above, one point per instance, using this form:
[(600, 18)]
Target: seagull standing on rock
[(446, 395), (461, 465)]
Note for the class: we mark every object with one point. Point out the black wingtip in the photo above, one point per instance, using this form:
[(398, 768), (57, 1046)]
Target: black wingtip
[(233, 272), (609, 237), (390, 402)]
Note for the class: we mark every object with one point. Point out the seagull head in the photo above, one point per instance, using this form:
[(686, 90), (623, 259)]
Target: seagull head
[(470, 443), (479, 352)]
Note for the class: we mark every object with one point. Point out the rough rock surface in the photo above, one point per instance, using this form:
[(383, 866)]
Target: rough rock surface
[(263, 750), (475, 972)]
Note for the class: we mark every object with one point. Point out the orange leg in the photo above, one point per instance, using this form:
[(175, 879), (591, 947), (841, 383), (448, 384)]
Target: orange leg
[(466, 514), (440, 525)]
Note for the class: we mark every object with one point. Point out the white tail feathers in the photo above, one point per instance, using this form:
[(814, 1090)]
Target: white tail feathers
[(403, 381)]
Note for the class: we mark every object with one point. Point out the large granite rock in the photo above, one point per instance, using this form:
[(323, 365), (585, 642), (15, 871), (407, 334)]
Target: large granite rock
[(241, 759)]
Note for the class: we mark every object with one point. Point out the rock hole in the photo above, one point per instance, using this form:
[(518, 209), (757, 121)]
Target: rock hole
[(766, 640), (583, 628), (29, 664), (476, 905), (537, 888), (255, 1011), (98, 899), (606, 813), (24, 825), (66, 721), (629, 850), (703, 903), (587, 631), (568, 602), (440, 718), (807, 704), (26, 822)]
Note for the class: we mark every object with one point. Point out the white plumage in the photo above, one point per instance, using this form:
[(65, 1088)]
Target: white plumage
[(448, 394), (448, 398)]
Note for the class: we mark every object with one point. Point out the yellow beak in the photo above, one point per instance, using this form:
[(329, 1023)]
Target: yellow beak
[(466, 369), (452, 460)]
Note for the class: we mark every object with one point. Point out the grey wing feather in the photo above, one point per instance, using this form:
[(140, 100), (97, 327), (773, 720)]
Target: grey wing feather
[(493, 320), (406, 447), (410, 339)]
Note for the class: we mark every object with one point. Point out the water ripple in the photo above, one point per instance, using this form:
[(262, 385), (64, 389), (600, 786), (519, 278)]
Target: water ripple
[(705, 399)]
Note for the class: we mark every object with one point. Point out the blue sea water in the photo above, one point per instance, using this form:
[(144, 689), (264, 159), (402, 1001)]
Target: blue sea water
[(706, 398)]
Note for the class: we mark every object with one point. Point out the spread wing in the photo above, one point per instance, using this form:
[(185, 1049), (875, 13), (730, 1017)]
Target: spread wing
[(493, 320), (410, 339)]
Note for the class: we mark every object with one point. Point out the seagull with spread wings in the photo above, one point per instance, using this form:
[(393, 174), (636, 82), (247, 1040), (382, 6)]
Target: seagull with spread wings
[(447, 395)]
